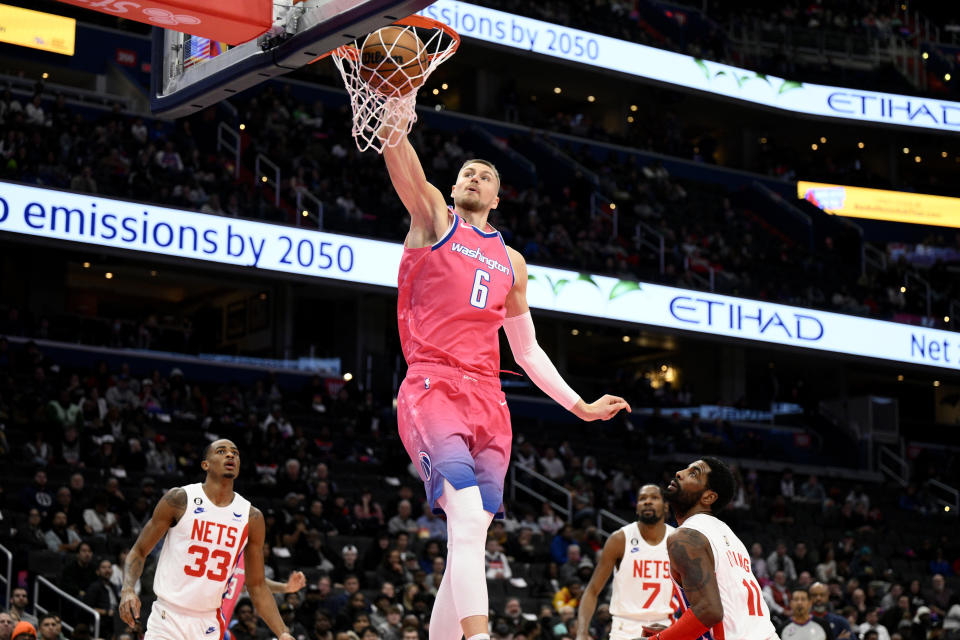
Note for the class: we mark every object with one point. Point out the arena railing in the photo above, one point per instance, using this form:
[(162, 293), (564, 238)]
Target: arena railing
[(41, 610), (602, 516), (944, 495), (525, 486), (7, 574), (229, 139)]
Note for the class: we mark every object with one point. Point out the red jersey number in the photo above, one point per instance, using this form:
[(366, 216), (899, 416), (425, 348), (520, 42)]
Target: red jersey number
[(200, 556)]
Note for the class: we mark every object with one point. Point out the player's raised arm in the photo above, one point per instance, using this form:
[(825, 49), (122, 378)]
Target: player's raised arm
[(166, 514), (612, 553), (522, 337), (424, 202), (691, 562), (257, 586)]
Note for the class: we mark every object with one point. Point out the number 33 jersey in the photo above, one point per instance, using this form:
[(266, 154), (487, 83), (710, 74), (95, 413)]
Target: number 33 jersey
[(201, 551), (451, 299)]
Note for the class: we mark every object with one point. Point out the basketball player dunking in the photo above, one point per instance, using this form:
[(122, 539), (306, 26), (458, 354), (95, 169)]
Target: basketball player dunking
[(458, 284), (643, 593), (207, 526), (719, 594)]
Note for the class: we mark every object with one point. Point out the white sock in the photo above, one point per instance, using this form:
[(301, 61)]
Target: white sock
[(467, 525), (480, 636)]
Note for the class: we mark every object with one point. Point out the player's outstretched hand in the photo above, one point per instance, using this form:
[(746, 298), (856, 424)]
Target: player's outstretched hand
[(286, 636), (295, 582), (603, 409), (129, 607)]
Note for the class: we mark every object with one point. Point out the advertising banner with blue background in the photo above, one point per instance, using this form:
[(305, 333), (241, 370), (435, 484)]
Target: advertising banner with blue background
[(155, 230), (638, 60)]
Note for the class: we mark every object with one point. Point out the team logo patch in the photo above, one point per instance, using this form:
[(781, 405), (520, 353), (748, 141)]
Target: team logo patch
[(198, 510), (163, 614), (634, 541), (426, 465), (198, 501), (426, 383)]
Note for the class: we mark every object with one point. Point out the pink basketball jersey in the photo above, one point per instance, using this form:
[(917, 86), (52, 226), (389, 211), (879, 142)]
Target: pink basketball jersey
[(451, 299)]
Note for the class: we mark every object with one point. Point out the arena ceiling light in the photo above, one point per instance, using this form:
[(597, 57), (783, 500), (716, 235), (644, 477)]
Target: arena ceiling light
[(667, 67)]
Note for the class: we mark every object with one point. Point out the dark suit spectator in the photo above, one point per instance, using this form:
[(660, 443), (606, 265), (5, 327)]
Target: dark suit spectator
[(102, 596), (80, 573)]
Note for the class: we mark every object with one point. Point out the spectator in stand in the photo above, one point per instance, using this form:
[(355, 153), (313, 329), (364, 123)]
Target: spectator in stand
[(758, 563), (569, 569), (827, 568), (98, 520), (102, 596), (277, 417), (246, 625), (779, 560), (872, 623), (802, 561), (569, 595), (777, 595), (939, 595), (402, 521), (49, 628), (7, 623), (37, 496), (31, 537), (24, 631), (922, 624), (81, 572), (60, 537), (552, 465), (497, 565), (429, 526), (560, 544), (812, 491), (368, 513), (19, 601), (820, 608), (549, 522)]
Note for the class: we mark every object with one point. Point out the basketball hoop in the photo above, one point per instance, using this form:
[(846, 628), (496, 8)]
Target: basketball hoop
[(383, 91)]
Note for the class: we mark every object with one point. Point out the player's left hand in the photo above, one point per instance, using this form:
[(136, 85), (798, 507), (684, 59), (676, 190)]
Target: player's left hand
[(295, 582), (603, 409)]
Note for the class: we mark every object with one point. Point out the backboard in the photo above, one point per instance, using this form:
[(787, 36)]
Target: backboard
[(190, 73)]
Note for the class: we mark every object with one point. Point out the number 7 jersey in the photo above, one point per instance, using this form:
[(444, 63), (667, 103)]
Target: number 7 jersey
[(745, 614), (451, 299), (201, 552)]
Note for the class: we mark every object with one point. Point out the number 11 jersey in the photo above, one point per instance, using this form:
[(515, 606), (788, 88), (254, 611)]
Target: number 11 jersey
[(451, 299), (745, 614), (201, 552)]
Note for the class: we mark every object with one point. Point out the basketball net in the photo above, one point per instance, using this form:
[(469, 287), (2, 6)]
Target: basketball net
[(382, 116)]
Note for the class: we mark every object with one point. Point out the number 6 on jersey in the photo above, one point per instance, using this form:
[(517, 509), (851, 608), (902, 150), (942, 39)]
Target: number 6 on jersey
[(478, 297)]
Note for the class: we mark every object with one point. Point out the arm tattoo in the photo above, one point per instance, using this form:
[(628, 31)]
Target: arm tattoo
[(132, 571), (176, 498), (255, 514), (688, 555)]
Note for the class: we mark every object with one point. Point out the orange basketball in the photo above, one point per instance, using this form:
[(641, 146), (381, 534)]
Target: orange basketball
[(393, 61)]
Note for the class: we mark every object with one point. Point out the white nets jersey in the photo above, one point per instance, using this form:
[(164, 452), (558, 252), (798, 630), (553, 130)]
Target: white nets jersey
[(745, 615), (643, 590), (201, 552)]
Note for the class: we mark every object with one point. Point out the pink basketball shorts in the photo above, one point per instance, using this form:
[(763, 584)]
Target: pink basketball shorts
[(456, 425)]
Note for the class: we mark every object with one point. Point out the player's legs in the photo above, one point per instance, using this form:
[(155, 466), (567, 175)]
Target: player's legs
[(444, 621), (467, 524)]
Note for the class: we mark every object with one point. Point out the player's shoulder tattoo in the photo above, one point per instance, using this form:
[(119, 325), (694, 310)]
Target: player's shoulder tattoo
[(689, 556), (255, 514), (176, 497)]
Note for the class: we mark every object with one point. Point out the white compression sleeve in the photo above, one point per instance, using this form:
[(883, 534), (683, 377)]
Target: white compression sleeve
[(467, 524), (527, 352)]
